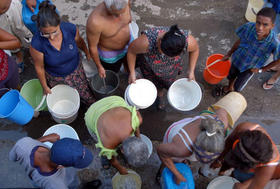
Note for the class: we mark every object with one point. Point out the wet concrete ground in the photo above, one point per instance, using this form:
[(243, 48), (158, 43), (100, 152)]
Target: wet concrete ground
[(212, 23)]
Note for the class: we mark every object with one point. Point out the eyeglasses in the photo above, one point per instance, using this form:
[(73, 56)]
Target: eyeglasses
[(48, 35)]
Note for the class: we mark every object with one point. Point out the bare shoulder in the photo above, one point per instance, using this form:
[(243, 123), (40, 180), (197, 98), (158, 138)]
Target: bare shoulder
[(192, 44), (139, 45), (96, 18)]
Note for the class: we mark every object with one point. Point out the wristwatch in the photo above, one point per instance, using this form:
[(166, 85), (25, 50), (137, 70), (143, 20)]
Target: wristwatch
[(260, 70)]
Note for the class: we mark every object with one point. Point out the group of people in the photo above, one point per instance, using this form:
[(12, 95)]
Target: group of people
[(158, 51)]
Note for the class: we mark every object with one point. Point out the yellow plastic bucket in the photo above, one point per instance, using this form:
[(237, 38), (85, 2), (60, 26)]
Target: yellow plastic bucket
[(252, 9), (234, 104)]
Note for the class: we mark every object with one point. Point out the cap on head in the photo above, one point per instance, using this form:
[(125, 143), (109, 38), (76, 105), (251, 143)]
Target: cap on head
[(70, 153)]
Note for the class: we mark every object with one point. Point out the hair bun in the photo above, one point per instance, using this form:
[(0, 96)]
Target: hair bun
[(47, 4)]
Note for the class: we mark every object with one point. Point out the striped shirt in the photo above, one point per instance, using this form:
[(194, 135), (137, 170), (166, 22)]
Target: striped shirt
[(251, 52)]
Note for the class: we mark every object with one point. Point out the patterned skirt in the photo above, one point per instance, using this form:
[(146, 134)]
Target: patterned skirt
[(77, 79)]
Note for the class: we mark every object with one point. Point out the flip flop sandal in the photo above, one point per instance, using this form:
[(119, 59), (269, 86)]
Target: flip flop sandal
[(216, 92), (20, 67), (105, 163), (267, 86)]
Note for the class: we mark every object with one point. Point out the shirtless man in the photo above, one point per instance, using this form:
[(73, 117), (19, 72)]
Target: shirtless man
[(108, 34)]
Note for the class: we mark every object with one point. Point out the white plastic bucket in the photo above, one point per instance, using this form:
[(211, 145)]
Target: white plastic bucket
[(141, 94), (148, 142), (252, 9), (89, 68), (131, 180), (63, 130), (222, 182), (184, 95), (63, 103)]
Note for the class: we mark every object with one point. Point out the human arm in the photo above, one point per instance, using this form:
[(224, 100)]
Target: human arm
[(8, 41), (115, 163), (193, 50), (166, 152), (49, 138), (262, 176), (81, 44), (38, 59), (232, 50), (93, 31), (31, 4), (138, 46)]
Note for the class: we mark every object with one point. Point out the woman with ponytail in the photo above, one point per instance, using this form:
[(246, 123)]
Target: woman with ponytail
[(162, 51), (254, 157), (54, 49), (202, 136)]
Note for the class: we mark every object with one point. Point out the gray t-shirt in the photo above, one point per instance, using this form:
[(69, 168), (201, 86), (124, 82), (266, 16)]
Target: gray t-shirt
[(62, 178)]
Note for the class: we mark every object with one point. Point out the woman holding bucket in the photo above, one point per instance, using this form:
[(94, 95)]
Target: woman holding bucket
[(54, 49), (9, 77), (203, 135), (253, 155), (162, 50)]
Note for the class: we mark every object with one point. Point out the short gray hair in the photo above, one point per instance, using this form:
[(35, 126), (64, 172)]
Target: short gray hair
[(135, 151), (117, 4)]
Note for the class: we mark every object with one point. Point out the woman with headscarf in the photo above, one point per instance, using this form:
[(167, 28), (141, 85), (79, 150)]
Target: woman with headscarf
[(254, 157), (162, 50)]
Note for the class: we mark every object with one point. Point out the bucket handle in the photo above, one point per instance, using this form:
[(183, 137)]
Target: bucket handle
[(216, 61), (41, 103)]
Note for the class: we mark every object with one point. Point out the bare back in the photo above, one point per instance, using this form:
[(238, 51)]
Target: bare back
[(114, 126), (111, 32)]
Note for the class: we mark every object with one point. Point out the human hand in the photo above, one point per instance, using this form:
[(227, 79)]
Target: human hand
[(255, 70), (216, 164), (132, 78), (31, 4), (191, 76), (123, 171), (225, 58), (102, 72), (52, 137), (180, 178), (237, 186), (47, 90)]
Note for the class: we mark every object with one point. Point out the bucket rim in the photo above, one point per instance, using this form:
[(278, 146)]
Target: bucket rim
[(60, 114), (18, 94), (182, 79), (209, 69), (115, 88)]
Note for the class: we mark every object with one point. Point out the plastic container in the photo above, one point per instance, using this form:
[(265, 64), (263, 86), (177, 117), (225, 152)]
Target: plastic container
[(89, 68), (141, 94), (63, 103), (112, 83), (215, 73), (15, 108), (32, 92), (234, 104), (134, 28), (184, 95), (168, 182), (252, 9), (149, 143), (130, 181), (63, 130), (222, 182)]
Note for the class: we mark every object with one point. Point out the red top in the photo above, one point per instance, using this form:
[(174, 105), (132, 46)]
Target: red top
[(3, 65)]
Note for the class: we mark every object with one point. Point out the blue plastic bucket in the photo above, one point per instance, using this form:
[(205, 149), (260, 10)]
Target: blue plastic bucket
[(168, 182), (15, 108)]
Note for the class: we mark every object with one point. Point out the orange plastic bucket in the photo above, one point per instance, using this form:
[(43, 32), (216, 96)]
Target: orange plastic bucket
[(215, 73)]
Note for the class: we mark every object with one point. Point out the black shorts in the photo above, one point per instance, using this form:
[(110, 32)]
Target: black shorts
[(242, 78), (115, 66)]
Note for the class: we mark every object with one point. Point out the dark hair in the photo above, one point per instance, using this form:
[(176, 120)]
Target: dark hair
[(211, 138), (173, 42), (268, 12), (256, 144), (47, 15)]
